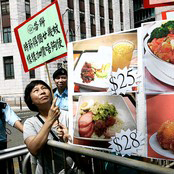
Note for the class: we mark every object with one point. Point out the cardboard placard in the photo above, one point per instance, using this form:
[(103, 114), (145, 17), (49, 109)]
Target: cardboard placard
[(41, 38)]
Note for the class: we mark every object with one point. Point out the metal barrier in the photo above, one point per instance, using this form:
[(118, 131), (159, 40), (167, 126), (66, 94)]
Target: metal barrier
[(99, 156), (14, 156), (16, 101)]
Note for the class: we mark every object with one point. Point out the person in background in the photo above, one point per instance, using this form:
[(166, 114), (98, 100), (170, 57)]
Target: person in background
[(47, 124), (60, 78), (7, 115)]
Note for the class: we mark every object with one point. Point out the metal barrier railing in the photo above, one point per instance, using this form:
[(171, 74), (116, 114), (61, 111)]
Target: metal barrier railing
[(106, 157), (14, 158), (25, 166), (16, 101)]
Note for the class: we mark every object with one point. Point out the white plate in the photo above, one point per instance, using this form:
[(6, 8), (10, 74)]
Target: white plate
[(158, 149), (156, 72), (103, 56), (123, 113)]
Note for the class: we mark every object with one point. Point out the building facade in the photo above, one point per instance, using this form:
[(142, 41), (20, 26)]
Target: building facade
[(142, 14), (81, 18)]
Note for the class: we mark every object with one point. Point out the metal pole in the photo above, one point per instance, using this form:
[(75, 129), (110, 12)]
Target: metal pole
[(26, 159), (20, 103)]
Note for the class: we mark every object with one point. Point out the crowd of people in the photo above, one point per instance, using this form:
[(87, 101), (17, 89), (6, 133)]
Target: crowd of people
[(50, 122)]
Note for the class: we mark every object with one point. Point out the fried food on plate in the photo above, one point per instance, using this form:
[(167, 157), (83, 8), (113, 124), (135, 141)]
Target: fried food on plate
[(165, 135)]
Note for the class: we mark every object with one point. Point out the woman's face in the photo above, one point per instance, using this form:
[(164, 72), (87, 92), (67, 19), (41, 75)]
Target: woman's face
[(40, 94)]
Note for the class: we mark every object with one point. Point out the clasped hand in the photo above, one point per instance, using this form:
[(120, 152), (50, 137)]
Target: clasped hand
[(63, 132)]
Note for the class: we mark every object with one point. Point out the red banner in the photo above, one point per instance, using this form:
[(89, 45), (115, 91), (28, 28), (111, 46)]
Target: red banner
[(157, 3)]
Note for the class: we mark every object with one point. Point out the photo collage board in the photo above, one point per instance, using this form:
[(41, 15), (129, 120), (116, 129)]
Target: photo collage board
[(121, 91)]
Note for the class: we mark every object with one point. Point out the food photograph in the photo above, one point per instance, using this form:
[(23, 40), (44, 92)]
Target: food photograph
[(101, 56), (158, 56), (160, 126), (93, 68), (98, 118)]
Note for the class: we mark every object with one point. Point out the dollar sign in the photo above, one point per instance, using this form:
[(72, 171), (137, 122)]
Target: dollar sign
[(119, 147), (115, 86)]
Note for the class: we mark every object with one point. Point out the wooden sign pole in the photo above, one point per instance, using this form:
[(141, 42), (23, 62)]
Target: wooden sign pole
[(49, 79)]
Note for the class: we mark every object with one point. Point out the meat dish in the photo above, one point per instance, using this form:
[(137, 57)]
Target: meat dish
[(161, 42), (98, 120), (89, 72)]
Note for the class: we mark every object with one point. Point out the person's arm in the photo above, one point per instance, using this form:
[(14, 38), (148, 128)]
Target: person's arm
[(12, 119), (18, 125), (35, 143)]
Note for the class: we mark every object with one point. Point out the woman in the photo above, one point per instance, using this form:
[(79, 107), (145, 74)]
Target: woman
[(43, 126)]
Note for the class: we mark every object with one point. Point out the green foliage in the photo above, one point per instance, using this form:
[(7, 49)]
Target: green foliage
[(159, 33), (169, 25)]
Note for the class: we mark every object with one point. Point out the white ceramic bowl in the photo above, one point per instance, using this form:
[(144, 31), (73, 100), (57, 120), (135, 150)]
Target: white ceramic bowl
[(166, 67)]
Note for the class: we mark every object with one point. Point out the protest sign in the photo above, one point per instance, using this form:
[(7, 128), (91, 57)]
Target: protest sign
[(41, 38)]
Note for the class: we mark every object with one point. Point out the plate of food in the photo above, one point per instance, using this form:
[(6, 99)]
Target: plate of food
[(98, 118), (159, 43), (152, 68), (162, 141), (93, 69)]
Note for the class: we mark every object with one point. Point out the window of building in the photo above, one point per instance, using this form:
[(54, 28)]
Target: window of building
[(8, 67), (110, 4), (101, 3), (92, 19), (32, 74), (71, 35), (59, 65), (5, 8), (91, 1), (71, 4), (7, 35), (92, 7), (82, 17), (81, 5), (102, 23), (27, 9), (71, 14), (65, 64), (83, 35), (142, 15), (111, 26)]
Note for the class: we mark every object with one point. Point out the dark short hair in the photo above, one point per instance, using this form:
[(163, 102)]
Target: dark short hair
[(28, 90), (60, 71)]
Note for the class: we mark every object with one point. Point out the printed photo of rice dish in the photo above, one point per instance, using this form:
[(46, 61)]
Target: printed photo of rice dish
[(98, 120), (100, 117)]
